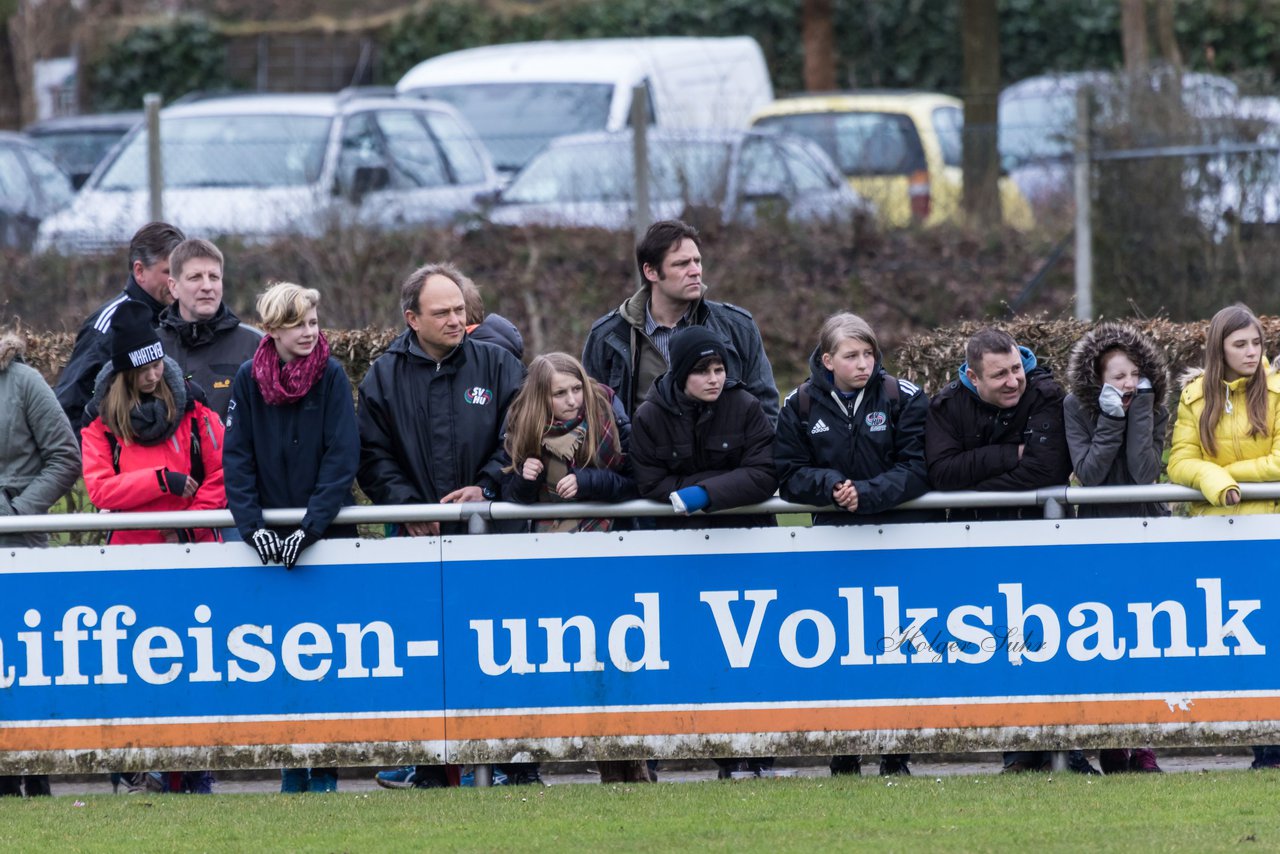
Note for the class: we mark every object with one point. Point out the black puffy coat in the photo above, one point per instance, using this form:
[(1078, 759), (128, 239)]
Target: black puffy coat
[(972, 444), (880, 447), (725, 447)]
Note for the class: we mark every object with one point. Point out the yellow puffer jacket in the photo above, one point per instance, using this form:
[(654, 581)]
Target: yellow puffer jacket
[(1241, 457)]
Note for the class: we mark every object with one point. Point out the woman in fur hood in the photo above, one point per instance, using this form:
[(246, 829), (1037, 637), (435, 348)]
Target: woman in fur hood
[(1116, 418), (1116, 414)]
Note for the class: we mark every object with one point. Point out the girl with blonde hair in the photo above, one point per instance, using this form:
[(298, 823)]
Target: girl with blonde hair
[(292, 441)]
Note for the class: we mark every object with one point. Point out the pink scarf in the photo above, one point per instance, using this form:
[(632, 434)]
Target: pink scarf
[(287, 383)]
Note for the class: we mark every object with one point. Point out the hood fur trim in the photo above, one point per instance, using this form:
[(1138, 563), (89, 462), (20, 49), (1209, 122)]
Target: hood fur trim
[(1082, 372), (11, 347)]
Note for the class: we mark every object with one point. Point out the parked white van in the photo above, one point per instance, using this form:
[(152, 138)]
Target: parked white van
[(519, 96)]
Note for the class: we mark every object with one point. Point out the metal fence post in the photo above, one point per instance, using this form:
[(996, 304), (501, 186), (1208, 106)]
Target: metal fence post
[(1084, 209), (155, 164), (478, 523)]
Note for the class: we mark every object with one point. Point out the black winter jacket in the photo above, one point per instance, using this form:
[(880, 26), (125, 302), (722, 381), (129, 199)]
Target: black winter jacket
[(209, 351), (496, 329), (725, 447), (302, 454), (880, 447), (428, 428), (971, 444), (611, 352), (93, 350), (594, 484)]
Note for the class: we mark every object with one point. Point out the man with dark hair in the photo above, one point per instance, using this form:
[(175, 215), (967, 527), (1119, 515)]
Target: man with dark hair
[(432, 409), (148, 284), (198, 331), (628, 348), (1000, 427)]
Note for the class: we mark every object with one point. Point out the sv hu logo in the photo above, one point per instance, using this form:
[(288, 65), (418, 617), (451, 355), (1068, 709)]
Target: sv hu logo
[(477, 395)]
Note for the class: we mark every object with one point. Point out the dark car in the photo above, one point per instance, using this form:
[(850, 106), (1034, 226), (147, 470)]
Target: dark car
[(79, 143), (31, 187)]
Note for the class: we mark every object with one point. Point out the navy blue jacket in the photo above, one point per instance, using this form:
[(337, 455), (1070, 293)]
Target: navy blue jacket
[(427, 427), (880, 447), (302, 454)]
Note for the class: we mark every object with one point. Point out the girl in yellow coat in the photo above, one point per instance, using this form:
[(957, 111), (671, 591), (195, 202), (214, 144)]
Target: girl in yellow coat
[(1228, 432)]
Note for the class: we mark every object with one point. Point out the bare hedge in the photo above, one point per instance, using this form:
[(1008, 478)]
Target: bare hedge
[(553, 284), (929, 359)]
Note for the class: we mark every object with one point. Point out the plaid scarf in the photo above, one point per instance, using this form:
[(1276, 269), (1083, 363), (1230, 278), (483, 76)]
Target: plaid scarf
[(282, 383), (563, 453)]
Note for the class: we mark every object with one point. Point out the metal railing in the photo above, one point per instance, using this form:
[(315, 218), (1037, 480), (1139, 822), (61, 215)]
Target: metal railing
[(1055, 501)]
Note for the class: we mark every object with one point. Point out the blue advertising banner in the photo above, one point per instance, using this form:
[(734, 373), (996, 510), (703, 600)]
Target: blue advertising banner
[(767, 641)]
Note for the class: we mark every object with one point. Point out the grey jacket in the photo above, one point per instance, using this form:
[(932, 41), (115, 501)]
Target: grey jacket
[(1109, 451), (611, 354), (39, 456)]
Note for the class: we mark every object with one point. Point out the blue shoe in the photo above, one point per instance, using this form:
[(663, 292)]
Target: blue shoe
[(293, 781), (399, 778)]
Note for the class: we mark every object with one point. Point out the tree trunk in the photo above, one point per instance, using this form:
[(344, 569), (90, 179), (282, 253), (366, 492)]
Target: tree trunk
[(1165, 36), (818, 34), (980, 39), (1133, 34)]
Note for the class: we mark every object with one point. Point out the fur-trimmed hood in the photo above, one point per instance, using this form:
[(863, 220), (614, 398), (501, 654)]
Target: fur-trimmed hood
[(1082, 368), (12, 348)]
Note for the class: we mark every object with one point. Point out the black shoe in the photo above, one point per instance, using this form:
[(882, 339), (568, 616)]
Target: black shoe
[(891, 766), (1077, 762), (848, 764), (525, 778)]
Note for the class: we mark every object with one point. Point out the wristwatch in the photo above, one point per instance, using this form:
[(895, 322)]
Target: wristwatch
[(488, 493)]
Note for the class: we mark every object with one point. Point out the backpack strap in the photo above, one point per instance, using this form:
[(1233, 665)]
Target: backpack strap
[(894, 392), (197, 459), (804, 402), (114, 443)]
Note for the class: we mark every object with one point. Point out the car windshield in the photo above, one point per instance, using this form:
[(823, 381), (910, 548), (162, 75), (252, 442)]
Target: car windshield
[(227, 151), (516, 120), (859, 143), (78, 151), (692, 171)]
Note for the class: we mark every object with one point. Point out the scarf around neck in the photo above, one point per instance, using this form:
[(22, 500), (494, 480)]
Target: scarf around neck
[(283, 383)]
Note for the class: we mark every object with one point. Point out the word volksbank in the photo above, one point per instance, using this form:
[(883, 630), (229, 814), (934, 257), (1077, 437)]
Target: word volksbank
[(489, 647)]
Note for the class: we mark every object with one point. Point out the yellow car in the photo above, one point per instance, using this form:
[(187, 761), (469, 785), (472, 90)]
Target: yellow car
[(899, 150)]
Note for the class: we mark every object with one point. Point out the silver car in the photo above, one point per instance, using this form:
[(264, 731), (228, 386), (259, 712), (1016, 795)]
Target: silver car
[(588, 180), (265, 166)]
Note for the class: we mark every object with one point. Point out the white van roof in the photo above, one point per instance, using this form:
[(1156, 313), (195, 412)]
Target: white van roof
[(610, 60)]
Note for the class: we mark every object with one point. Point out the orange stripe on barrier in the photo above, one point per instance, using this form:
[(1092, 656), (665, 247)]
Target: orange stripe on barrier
[(862, 718), (639, 723), (202, 734)]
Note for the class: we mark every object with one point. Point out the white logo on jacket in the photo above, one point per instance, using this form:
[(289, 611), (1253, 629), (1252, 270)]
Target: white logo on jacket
[(820, 427)]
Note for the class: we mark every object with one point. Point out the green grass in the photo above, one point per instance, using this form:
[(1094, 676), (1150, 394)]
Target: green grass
[(1190, 812)]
